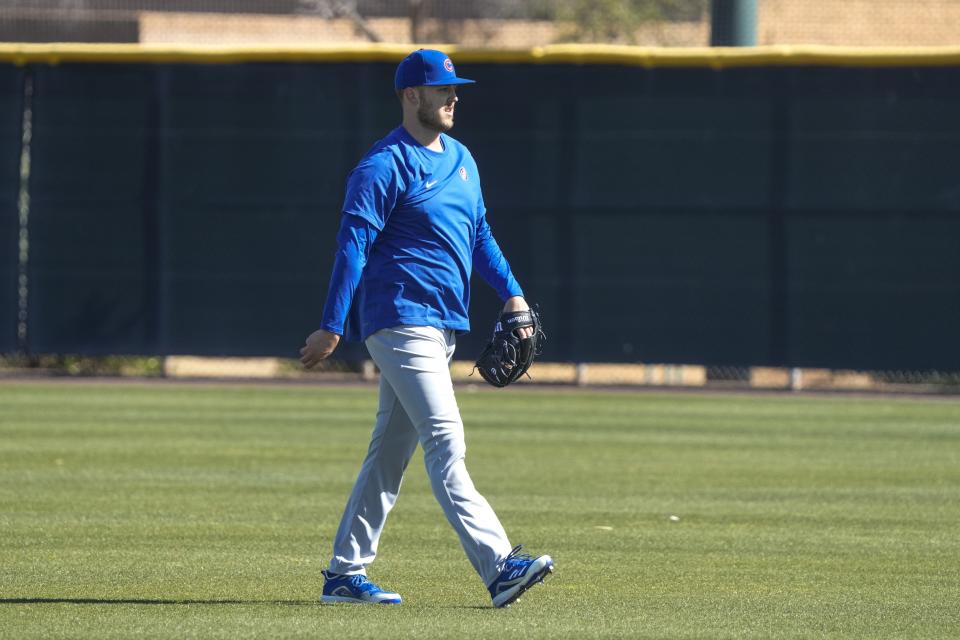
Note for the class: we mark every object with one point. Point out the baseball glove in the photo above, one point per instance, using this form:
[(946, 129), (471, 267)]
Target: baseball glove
[(507, 356)]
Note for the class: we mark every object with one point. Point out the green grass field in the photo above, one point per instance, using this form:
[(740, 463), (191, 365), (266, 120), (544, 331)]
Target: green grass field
[(205, 511)]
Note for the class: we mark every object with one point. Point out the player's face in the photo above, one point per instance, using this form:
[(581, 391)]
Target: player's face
[(436, 107)]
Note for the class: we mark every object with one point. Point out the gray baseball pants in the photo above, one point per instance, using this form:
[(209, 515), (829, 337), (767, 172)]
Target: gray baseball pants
[(417, 405)]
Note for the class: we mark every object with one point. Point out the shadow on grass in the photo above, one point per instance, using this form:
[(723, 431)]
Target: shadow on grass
[(150, 601), (291, 603)]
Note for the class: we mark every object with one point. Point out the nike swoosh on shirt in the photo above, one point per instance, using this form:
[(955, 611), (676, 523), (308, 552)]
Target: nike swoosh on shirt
[(430, 184)]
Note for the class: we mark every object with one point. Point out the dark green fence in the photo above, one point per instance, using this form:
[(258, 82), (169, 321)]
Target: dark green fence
[(11, 111), (803, 216)]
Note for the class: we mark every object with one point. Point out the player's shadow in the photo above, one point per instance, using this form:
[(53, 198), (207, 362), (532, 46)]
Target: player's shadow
[(150, 601)]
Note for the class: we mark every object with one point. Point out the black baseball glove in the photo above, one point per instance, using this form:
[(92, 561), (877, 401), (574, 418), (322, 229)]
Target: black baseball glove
[(507, 356)]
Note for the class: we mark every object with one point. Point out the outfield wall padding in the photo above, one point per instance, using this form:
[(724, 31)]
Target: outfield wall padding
[(783, 215), (11, 111)]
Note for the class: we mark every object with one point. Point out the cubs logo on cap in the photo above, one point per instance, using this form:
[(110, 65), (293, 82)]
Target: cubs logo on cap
[(427, 67)]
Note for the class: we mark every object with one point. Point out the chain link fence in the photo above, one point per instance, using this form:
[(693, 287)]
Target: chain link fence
[(594, 375), (473, 23)]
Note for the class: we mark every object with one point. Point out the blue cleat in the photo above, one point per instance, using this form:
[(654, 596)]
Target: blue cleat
[(520, 572), (356, 589)]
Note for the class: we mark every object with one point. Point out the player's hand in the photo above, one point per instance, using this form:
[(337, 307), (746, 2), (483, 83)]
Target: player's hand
[(320, 344), (517, 303)]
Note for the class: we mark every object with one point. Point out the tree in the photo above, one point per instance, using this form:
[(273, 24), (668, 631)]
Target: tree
[(616, 21), (331, 9)]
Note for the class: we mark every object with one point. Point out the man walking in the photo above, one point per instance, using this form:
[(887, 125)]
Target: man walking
[(413, 228)]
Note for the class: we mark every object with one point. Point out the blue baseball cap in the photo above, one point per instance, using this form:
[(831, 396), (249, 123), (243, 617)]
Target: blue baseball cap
[(427, 67)]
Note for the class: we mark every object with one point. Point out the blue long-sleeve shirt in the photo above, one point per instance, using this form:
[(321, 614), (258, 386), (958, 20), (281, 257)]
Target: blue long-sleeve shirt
[(413, 229)]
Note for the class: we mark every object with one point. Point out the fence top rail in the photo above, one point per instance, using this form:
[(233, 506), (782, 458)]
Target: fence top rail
[(648, 57)]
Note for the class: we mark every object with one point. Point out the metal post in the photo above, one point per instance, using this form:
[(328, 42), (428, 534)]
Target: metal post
[(733, 23)]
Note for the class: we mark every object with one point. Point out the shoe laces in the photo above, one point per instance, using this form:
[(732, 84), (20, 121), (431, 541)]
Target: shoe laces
[(362, 583), (516, 559), (358, 581)]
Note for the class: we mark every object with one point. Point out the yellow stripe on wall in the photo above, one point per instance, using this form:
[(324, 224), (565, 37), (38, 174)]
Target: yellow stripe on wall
[(649, 57)]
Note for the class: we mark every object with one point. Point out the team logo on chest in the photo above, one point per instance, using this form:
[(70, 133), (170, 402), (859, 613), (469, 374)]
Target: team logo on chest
[(463, 174)]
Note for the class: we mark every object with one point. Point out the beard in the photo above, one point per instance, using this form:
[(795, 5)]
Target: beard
[(431, 119)]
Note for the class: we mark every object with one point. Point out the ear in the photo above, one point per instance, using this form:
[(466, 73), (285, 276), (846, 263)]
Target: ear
[(410, 94)]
